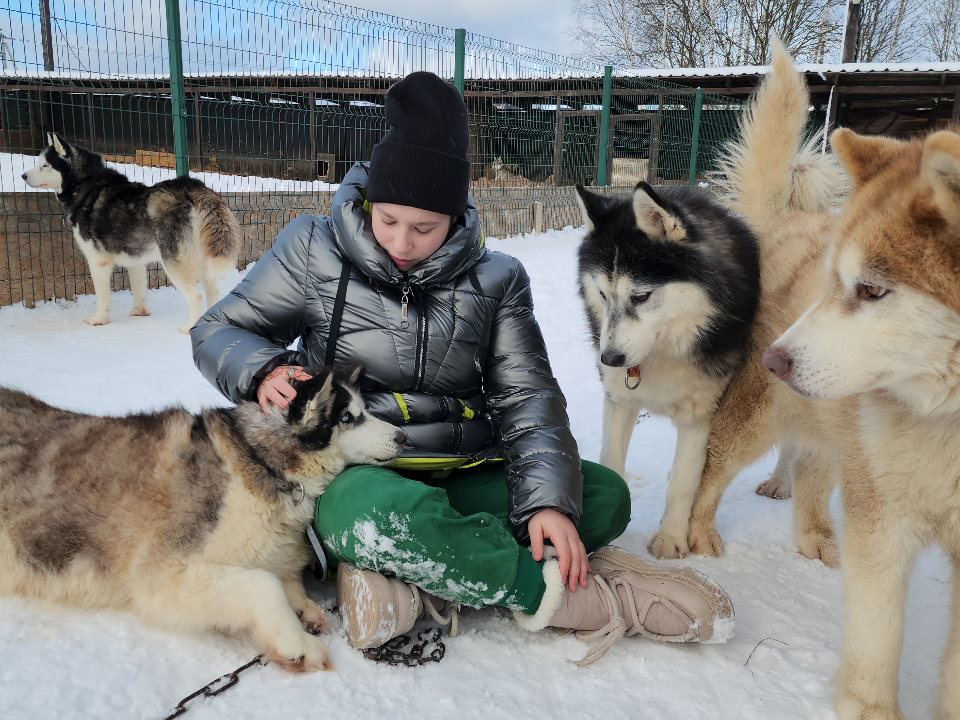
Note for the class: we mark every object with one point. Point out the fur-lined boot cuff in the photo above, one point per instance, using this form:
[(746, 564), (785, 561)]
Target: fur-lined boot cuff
[(550, 603)]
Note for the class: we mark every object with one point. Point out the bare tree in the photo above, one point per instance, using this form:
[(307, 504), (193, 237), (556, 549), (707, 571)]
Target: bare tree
[(888, 30), (941, 31), (609, 31)]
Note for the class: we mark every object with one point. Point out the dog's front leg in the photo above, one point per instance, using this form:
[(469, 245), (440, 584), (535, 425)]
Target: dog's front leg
[(670, 541), (619, 418), (207, 596), (100, 271), (312, 616), (950, 678), (878, 551)]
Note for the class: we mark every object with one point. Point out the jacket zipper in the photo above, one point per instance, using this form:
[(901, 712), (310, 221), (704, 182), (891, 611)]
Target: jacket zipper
[(421, 355), (421, 340)]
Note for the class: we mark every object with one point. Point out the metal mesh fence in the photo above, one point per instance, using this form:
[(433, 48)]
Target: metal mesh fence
[(278, 99)]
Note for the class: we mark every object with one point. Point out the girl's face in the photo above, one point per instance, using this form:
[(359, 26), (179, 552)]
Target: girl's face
[(408, 235)]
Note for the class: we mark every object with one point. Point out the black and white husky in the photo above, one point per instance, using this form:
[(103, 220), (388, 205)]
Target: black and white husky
[(670, 281), (181, 223), (193, 522)]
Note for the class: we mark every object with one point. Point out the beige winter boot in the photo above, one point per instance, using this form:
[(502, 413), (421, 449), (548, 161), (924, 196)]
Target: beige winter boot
[(627, 595), (376, 608)]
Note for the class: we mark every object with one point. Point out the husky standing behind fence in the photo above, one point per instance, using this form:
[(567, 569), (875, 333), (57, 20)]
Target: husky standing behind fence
[(181, 223)]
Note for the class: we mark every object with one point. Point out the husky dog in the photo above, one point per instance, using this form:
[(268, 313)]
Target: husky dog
[(670, 281), (181, 223), (887, 328), (193, 522)]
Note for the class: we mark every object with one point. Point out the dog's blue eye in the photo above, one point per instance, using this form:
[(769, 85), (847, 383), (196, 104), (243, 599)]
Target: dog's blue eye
[(346, 419), (640, 297)]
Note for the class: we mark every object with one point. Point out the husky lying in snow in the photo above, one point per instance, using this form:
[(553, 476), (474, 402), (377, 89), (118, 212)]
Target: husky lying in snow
[(181, 223), (191, 521), (670, 282), (887, 328)]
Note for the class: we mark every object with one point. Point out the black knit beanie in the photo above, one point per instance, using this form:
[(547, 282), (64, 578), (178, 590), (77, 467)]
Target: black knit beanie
[(422, 160)]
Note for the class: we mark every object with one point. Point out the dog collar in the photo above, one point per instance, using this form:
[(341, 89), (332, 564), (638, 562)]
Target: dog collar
[(632, 372)]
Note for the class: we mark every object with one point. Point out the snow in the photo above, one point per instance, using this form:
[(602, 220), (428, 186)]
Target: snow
[(61, 663), (13, 165), (903, 67)]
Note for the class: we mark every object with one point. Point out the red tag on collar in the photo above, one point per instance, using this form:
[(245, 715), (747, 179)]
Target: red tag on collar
[(634, 371)]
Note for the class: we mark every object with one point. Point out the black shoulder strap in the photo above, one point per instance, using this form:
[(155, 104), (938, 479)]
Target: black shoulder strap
[(337, 313), (474, 280)]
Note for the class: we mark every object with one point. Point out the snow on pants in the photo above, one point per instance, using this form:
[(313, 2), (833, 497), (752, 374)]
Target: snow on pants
[(450, 536)]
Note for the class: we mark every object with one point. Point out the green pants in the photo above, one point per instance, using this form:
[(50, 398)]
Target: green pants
[(450, 536)]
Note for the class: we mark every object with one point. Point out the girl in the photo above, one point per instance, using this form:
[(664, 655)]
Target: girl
[(398, 278)]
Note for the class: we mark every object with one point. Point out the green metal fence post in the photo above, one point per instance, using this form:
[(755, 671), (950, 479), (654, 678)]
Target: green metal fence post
[(176, 88), (604, 125), (695, 141), (458, 59)]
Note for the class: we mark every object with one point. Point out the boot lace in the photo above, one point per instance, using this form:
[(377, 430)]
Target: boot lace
[(616, 628), (452, 616)]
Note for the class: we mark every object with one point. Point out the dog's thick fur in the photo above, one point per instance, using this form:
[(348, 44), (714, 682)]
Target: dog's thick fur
[(887, 328), (181, 223), (670, 282), (193, 522), (785, 190)]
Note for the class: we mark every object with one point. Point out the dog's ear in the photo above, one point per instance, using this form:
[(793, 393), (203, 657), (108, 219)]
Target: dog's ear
[(354, 371), (591, 206), (940, 171), (313, 397), (61, 147), (863, 157), (652, 217)]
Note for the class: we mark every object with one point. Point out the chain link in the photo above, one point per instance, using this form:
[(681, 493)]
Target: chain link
[(221, 684), (392, 651)]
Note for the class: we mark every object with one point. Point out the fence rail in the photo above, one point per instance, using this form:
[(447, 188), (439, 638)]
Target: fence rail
[(271, 104)]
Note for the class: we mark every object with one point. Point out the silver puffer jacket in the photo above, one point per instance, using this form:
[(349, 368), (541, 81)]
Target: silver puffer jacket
[(468, 377)]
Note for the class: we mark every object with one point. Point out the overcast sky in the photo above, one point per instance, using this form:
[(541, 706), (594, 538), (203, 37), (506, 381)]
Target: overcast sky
[(536, 23)]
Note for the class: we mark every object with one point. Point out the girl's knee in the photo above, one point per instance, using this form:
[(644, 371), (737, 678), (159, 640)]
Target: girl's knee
[(606, 504)]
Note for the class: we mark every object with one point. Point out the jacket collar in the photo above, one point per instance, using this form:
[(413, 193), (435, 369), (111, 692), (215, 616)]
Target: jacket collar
[(462, 250)]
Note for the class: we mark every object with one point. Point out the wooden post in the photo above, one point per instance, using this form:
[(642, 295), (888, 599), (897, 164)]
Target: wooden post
[(652, 165), (557, 145), (46, 36), (5, 139), (851, 32), (538, 217), (955, 115)]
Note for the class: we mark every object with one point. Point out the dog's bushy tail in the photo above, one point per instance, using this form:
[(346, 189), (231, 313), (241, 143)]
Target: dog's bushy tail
[(772, 168), (220, 234)]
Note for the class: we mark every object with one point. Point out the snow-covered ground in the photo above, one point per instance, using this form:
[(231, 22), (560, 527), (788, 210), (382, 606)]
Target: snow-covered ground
[(57, 663), (13, 165)]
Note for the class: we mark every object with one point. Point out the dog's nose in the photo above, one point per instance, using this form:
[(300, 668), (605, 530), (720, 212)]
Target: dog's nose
[(613, 359), (778, 361), (400, 438), (24, 176)]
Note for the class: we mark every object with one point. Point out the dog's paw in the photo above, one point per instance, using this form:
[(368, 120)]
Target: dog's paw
[(849, 708), (313, 618), (705, 540), (818, 546), (775, 487), (301, 654), (96, 320), (664, 546), (139, 311)]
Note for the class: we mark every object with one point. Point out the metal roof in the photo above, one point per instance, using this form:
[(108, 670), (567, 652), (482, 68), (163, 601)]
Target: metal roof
[(930, 67)]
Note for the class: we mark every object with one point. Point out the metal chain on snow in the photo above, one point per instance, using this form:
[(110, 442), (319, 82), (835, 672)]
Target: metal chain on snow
[(225, 682), (392, 651)]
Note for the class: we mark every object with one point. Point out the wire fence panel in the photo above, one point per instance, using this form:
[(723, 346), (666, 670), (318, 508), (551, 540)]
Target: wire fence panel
[(281, 98)]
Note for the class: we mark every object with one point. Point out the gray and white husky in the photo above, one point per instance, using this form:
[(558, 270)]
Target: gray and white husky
[(670, 281), (193, 522), (181, 223)]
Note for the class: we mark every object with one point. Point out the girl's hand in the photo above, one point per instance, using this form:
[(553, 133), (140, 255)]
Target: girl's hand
[(276, 388), (572, 555)]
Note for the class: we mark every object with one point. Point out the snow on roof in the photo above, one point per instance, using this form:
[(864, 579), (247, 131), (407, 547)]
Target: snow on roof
[(931, 67)]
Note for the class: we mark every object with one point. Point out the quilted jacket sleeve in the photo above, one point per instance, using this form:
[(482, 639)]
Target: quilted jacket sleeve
[(246, 335), (542, 463)]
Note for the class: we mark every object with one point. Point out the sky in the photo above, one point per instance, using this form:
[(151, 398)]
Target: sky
[(535, 23)]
